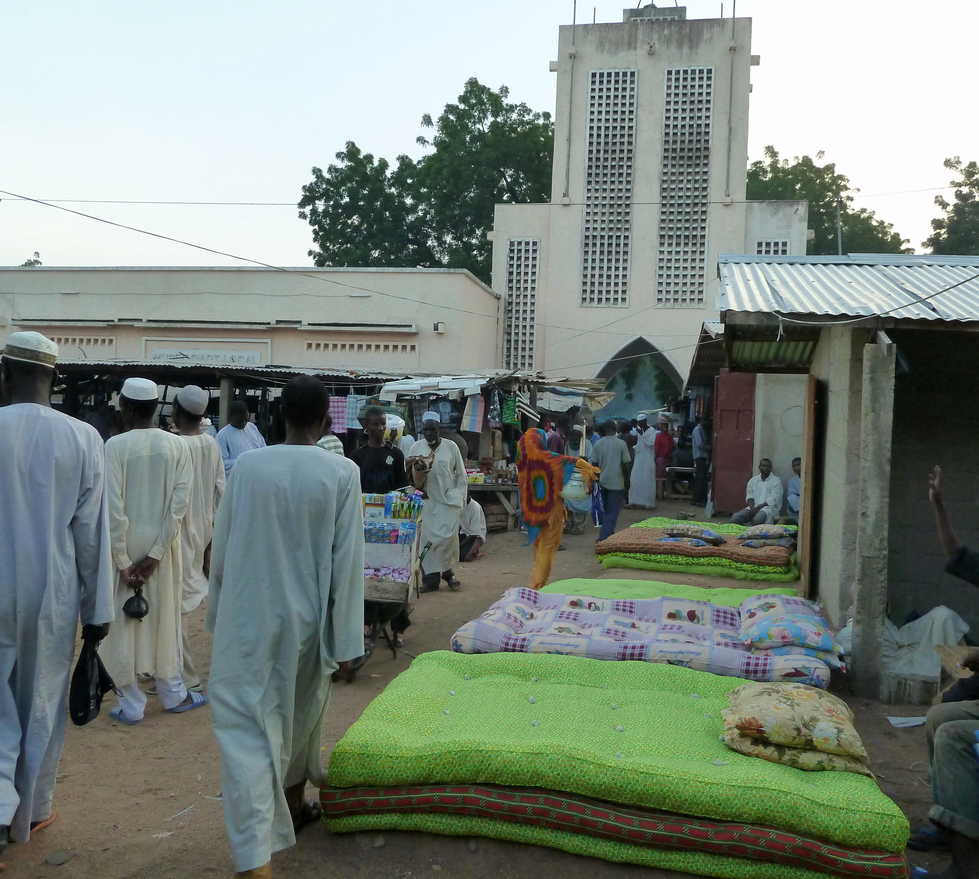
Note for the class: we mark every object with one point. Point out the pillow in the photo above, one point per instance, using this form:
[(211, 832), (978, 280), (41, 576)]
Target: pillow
[(794, 715), (766, 532), (833, 658), (797, 758), (759, 542), (687, 541), (705, 534), (782, 621)]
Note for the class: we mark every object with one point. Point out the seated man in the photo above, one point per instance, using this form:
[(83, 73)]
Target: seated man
[(472, 531), (793, 497), (952, 728), (763, 496)]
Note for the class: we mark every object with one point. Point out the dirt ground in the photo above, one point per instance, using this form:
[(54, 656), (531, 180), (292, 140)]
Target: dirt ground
[(143, 801)]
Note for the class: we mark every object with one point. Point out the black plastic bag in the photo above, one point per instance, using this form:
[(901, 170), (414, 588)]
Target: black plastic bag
[(89, 683), (136, 606)]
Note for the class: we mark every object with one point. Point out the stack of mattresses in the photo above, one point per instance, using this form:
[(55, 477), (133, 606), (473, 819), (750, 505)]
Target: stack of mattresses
[(649, 545), (617, 760)]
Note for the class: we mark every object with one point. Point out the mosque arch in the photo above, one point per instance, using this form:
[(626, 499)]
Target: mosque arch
[(636, 349)]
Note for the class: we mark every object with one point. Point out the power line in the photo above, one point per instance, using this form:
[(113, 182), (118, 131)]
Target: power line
[(293, 204)]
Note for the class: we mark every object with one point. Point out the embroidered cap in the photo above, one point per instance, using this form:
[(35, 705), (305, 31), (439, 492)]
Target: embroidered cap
[(31, 347)]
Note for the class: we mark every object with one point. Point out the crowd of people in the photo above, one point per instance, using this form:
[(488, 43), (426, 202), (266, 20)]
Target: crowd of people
[(128, 536)]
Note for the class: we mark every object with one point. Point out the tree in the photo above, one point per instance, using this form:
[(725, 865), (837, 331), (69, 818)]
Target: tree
[(821, 185), (363, 213), (33, 261), (957, 231), (438, 210), (485, 151)]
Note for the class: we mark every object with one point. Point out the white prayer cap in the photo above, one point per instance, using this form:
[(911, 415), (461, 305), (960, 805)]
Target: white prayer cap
[(139, 389), (432, 416), (193, 399), (580, 428), (641, 416), (31, 347)]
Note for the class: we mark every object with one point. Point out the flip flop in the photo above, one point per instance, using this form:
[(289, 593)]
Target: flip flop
[(116, 714), (306, 814), (197, 700), (38, 826)]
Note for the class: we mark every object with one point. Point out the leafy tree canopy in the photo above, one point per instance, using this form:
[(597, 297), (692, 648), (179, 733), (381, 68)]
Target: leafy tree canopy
[(957, 230), (803, 178), (435, 211)]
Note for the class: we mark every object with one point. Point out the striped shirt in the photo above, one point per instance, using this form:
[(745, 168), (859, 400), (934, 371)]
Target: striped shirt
[(331, 443)]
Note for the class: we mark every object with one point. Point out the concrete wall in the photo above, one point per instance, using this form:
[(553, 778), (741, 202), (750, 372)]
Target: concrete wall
[(776, 221), (579, 340), (779, 418), (936, 421), (366, 318), (838, 364)]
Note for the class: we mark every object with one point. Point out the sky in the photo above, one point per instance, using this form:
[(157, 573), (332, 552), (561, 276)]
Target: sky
[(221, 101)]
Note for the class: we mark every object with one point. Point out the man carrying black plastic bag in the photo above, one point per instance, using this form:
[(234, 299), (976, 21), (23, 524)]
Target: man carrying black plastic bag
[(55, 566)]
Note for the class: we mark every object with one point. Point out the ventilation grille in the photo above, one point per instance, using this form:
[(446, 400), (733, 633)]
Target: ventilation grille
[(774, 247), (607, 240), (102, 344), (360, 348), (521, 302), (684, 182)]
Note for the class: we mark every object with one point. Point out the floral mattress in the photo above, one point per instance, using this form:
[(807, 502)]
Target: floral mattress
[(695, 634), (621, 761)]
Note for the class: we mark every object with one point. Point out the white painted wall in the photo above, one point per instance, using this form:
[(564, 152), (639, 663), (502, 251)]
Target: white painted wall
[(267, 317), (779, 418), (579, 340), (776, 220)]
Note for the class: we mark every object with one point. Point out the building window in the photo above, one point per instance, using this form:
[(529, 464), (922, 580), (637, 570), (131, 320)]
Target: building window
[(684, 186), (359, 348), (778, 247), (607, 241), (521, 303)]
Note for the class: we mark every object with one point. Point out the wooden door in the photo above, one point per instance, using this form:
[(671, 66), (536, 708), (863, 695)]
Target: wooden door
[(734, 439)]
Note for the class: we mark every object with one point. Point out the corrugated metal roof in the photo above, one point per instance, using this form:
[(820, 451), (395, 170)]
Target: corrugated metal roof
[(785, 354), (856, 285), (190, 366)]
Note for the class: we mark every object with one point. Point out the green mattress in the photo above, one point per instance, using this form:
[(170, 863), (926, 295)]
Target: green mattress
[(637, 734), (717, 527), (707, 567), (724, 596)]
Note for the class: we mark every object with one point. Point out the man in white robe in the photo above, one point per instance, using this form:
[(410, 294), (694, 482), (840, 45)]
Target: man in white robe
[(286, 606), (439, 464), (198, 526), (55, 566), (642, 484), (238, 435), (148, 483)]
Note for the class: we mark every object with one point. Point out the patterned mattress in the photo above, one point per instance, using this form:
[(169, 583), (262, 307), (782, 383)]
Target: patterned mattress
[(694, 634), (621, 761)]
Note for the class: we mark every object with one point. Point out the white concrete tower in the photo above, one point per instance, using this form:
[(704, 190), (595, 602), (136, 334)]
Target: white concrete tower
[(648, 188)]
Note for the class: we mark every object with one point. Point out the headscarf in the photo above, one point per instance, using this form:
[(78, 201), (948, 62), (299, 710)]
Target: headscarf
[(541, 476)]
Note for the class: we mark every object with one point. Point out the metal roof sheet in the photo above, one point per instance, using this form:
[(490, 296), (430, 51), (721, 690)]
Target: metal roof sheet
[(856, 285)]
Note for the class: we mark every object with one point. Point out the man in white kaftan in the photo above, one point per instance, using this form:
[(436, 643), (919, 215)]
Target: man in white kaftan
[(286, 606), (763, 496), (198, 526), (238, 435), (642, 484), (55, 566), (149, 477), (446, 490)]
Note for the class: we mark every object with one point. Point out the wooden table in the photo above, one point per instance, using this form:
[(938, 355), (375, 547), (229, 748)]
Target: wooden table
[(506, 493)]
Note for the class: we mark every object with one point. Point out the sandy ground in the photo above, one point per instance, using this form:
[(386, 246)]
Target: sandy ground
[(143, 801)]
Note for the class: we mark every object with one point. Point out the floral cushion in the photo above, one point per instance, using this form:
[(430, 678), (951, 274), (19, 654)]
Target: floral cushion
[(798, 758), (705, 534), (766, 532), (783, 621), (794, 715), (833, 658)]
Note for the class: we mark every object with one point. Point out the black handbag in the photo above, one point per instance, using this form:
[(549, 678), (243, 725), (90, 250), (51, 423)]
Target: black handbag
[(89, 683), (136, 606)]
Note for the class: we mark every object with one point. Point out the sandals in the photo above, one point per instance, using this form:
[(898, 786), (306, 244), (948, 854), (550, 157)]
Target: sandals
[(928, 838), (306, 814), (38, 826), (117, 715), (197, 700)]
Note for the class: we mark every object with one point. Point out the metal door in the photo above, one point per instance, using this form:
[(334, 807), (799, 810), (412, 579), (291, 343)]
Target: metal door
[(734, 439)]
